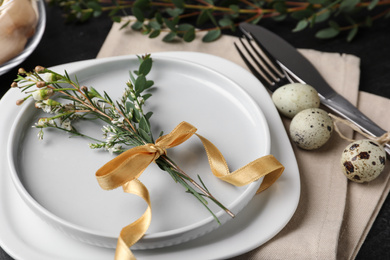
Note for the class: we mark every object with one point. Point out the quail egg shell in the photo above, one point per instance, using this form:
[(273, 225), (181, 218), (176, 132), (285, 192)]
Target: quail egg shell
[(293, 98), (311, 128), (363, 160)]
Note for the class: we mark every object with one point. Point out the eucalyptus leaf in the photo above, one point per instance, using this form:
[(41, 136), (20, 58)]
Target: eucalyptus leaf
[(327, 33), (145, 135), (140, 83), (178, 3), (302, 24), (137, 12), (169, 37), (203, 17), (145, 68), (189, 35), (212, 35), (372, 4), (347, 5), (225, 22), (154, 34), (352, 33), (137, 25), (322, 16)]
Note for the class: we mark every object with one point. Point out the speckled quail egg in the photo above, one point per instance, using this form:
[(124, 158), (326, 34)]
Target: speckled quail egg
[(293, 98), (363, 160), (311, 128)]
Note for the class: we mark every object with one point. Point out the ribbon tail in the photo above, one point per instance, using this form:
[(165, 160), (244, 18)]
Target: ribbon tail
[(130, 234), (267, 166)]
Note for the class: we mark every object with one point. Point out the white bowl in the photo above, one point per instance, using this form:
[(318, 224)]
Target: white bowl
[(32, 43), (55, 177)]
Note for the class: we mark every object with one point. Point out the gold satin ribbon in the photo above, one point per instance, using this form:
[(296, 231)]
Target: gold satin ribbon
[(125, 169)]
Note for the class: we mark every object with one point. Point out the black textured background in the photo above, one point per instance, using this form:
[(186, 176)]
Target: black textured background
[(64, 43)]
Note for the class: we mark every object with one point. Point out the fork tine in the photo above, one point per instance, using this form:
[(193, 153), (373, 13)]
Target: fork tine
[(263, 65), (266, 82)]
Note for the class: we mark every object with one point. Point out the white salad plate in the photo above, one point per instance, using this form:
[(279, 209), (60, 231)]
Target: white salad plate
[(56, 176), (26, 236)]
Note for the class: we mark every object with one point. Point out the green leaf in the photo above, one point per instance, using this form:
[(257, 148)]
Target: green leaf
[(124, 25), (317, 2), (302, 14), (149, 83), (280, 17), (280, 7), (236, 10), (189, 35), (141, 3), (302, 24), (174, 12), (158, 17), (146, 96), (322, 16), (327, 33), (225, 22), (154, 34), (212, 35), (334, 25), (169, 37), (116, 19), (178, 3), (170, 24), (347, 6), (137, 25), (203, 17), (137, 12), (352, 33), (372, 4), (145, 67), (140, 83), (144, 124), (149, 115), (145, 135), (155, 25), (97, 9)]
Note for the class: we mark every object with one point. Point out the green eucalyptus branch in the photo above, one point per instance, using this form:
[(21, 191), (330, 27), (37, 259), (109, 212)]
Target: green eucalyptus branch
[(213, 16), (126, 123)]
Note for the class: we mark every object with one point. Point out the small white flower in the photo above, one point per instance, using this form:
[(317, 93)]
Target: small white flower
[(48, 77), (42, 94), (66, 125), (114, 149)]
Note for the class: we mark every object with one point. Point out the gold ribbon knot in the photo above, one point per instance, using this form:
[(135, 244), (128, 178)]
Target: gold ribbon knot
[(125, 169)]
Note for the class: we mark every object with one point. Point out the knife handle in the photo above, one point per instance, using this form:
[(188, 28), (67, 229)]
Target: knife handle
[(344, 108)]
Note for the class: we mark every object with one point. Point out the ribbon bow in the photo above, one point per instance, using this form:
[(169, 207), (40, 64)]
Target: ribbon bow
[(125, 169)]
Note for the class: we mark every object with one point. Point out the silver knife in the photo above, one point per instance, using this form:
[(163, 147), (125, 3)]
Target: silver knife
[(303, 70)]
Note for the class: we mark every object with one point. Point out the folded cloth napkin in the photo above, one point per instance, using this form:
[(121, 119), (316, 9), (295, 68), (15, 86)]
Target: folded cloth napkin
[(334, 215)]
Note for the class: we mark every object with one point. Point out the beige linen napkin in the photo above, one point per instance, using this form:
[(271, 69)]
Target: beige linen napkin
[(334, 215)]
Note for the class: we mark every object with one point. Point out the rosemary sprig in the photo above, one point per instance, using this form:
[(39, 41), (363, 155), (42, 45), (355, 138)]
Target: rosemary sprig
[(127, 125)]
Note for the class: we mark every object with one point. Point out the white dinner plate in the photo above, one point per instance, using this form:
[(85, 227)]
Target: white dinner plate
[(25, 236), (56, 176)]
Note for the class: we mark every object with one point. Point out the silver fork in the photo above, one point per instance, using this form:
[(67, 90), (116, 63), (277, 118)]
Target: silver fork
[(267, 69), (263, 66)]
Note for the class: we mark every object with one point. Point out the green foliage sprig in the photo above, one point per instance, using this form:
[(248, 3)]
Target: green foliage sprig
[(126, 123), (153, 17)]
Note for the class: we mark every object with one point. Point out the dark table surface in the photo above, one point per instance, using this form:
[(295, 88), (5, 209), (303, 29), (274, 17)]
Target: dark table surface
[(63, 43)]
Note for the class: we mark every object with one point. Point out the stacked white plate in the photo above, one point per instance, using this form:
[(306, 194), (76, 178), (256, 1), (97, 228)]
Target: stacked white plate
[(55, 178)]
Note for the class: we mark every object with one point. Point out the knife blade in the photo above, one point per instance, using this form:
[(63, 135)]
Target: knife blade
[(296, 64)]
